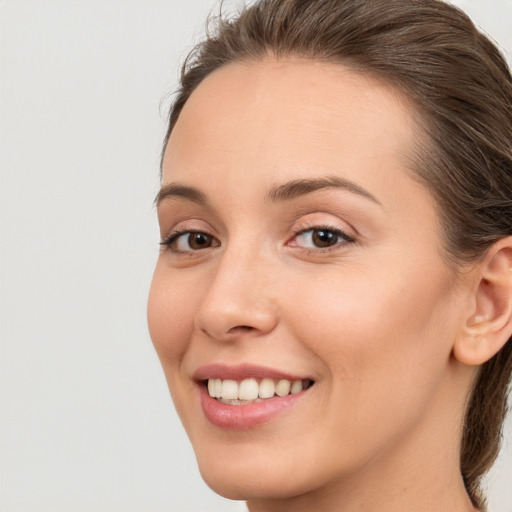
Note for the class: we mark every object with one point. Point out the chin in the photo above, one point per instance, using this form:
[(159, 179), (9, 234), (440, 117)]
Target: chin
[(244, 472), (233, 488), (251, 484)]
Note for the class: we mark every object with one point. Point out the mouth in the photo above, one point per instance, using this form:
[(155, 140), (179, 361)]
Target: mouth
[(246, 396), (251, 390)]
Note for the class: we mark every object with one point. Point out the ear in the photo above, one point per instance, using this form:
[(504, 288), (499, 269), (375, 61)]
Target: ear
[(489, 323)]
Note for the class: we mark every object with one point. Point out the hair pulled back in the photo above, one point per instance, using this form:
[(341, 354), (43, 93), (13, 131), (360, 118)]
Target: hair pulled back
[(462, 88)]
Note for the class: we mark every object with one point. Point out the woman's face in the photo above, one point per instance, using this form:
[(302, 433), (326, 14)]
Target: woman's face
[(300, 249)]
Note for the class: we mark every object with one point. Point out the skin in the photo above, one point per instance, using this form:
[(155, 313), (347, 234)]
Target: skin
[(373, 321)]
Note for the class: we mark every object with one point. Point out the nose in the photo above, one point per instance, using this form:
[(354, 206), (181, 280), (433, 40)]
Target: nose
[(239, 301)]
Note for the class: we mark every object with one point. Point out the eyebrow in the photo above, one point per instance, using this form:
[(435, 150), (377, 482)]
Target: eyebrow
[(177, 190), (297, 188), (285, 192)]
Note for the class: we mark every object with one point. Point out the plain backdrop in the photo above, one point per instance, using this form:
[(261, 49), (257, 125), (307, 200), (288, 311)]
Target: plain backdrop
[(86, 421)]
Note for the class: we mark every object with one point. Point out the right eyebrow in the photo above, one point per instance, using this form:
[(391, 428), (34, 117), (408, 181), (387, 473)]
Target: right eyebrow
[(301, 187), (178, 190)]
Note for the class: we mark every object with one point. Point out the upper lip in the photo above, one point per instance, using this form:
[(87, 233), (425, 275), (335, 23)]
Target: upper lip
[(242, 371)]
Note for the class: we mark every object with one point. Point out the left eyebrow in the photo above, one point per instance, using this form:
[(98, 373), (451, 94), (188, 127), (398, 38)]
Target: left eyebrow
[(297, 188), (177, 190)]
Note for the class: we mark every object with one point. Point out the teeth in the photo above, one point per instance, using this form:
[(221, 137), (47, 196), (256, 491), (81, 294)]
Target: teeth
[(247, 391), (238, 402), (218, 388), (296, 387), (267, 388), (283, 387), (229, 390)]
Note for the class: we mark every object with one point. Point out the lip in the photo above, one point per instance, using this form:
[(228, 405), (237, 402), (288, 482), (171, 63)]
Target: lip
[(244, 417), (242, 371)]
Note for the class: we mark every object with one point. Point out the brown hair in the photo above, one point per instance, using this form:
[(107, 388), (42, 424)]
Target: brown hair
[(462, 87)]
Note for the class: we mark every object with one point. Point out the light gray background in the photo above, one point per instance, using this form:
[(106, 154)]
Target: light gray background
[(86, 421)]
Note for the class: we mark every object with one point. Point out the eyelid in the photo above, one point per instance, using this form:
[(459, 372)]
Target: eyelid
[(175, 234), (171, 243), (348, 239), (185, 227)]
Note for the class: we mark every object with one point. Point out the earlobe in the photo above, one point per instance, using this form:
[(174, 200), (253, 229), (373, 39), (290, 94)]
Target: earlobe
[(489, 324)]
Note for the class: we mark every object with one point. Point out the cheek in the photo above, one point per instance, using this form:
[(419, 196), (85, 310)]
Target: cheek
[(384, 345), (171, 310), (373, 308), (379, 336)]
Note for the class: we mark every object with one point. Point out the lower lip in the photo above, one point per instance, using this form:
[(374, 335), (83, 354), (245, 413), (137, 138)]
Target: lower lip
[(243, 417)]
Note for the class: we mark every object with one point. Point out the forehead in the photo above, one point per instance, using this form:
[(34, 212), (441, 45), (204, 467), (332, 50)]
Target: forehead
[(251, 127), (272, 109)]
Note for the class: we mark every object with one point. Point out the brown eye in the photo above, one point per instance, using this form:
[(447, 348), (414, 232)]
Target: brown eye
[(198, 241), (321, 238), (324, 238), (190, 241)]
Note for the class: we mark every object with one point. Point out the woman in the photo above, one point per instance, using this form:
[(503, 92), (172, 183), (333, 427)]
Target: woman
[(333, 300)]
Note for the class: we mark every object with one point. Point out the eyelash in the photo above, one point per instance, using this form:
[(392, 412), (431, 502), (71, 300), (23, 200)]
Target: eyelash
[(171, 239), (346, 239)]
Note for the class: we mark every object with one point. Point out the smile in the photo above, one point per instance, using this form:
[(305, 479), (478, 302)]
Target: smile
[(245, 396), (250, 391)]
